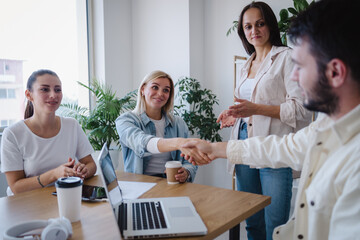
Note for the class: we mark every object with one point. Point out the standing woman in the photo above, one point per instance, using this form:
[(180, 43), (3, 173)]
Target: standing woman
[(151, 135), (267, 102), (43, 147)]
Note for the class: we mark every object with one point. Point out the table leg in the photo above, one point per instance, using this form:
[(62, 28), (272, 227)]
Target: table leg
[(234, 233)]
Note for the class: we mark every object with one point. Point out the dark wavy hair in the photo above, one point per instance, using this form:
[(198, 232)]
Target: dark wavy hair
[(328, 28), (29, 110), (270, 20)]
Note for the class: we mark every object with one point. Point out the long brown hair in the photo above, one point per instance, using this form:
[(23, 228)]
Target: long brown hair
[(270, 21)]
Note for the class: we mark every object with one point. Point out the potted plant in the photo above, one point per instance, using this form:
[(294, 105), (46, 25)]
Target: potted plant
[(99, 123), (196, 108)]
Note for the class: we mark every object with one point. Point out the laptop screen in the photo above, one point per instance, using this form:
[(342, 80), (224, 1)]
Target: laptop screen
[(109, 174)]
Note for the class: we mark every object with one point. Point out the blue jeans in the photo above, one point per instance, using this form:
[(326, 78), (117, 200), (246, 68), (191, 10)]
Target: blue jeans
[(276, 183)]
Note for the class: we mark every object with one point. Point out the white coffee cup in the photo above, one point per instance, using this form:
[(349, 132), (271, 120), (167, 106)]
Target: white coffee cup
[(69, 190), (172, 168)]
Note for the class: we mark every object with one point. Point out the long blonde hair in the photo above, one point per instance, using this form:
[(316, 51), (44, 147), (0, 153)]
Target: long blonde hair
[(168, 108)]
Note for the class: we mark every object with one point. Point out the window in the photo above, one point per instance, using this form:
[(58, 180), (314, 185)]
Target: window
[(6, 123), (7, 93), (3, 93), (40, 34), (11, 93)]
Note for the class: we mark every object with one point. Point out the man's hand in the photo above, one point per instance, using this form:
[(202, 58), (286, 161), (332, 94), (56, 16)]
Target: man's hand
[(193, 153), (204, 148)]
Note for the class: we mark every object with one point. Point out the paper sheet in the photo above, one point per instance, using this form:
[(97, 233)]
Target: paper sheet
[(133, 190)]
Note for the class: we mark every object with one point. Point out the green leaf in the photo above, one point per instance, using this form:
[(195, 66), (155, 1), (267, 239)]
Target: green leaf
[(293, 11), (233, 28), (297, 5), (303, 4), (99, 123), (284, 39), (198, 110), (284, 14)]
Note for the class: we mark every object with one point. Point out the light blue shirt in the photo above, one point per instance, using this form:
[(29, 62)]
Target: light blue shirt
[(135, 131)]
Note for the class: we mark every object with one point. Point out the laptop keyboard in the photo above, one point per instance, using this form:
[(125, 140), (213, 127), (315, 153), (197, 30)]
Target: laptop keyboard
[(148, 215)]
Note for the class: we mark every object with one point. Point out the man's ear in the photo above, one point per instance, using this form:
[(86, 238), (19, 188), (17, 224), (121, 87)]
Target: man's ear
[(336, 72)]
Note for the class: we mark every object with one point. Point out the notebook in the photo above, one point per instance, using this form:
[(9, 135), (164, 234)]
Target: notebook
[(148, 217)]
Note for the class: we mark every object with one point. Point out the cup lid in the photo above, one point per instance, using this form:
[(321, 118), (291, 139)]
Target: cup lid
[(173, 164), (68, 182)]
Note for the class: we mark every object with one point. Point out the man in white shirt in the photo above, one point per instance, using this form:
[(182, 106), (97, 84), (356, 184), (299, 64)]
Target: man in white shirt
[(327, 68)]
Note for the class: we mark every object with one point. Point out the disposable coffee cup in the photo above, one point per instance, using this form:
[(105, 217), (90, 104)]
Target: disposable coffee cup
[(69, 197), (172, 168)]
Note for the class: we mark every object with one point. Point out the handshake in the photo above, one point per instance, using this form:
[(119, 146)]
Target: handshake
[(201, 152)]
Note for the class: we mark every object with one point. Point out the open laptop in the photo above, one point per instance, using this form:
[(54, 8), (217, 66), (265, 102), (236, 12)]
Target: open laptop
[(148, 217)]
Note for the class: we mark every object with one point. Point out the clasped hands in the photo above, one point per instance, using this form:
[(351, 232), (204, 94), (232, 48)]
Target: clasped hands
[(72, 169), (201, 152)]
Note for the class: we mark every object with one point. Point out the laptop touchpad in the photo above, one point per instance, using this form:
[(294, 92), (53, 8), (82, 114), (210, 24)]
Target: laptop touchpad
[(181, 212)]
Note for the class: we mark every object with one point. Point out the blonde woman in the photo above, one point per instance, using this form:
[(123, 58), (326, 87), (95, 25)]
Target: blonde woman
[(151, 135)]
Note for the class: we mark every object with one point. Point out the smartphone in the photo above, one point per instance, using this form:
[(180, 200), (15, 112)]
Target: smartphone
[(92, 193)]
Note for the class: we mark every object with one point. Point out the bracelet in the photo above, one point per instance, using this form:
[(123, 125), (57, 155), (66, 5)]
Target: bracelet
[(38, 178)]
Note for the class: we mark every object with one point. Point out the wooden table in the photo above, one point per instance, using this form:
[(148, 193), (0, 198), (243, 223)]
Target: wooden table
[(220, 209)]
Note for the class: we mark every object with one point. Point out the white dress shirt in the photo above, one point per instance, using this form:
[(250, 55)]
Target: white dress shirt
[(328, 153)]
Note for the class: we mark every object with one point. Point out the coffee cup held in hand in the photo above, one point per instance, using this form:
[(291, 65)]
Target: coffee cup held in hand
[(69, 197), (172, 168)]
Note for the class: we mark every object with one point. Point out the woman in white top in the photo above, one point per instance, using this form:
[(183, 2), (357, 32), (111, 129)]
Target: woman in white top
[(43, 147), (267, 102)]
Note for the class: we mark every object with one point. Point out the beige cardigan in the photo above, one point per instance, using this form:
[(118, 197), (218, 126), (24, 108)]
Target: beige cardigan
[(273, 86)]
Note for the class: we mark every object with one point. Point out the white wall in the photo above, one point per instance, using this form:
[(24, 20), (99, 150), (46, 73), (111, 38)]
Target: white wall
[(181, 37), (160, 37)]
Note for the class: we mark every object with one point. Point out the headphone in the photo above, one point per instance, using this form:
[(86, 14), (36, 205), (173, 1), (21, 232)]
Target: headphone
[(54, 229)]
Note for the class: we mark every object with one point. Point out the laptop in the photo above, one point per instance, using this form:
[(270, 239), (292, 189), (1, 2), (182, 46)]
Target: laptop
[(148, 217)]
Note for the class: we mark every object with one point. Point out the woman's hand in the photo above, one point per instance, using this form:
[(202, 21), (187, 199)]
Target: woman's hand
[(243, 109), (80, 170), (193, 153), (210, 150), (66, 170), (182, 175), (225, 119)]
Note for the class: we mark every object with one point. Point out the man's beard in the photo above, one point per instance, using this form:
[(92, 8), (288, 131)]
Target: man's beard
[(325, 100)]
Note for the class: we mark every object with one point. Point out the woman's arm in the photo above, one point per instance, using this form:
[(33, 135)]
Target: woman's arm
[(246, 108), (173, 144), (19, 183), (131, 134), (292, 110)]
